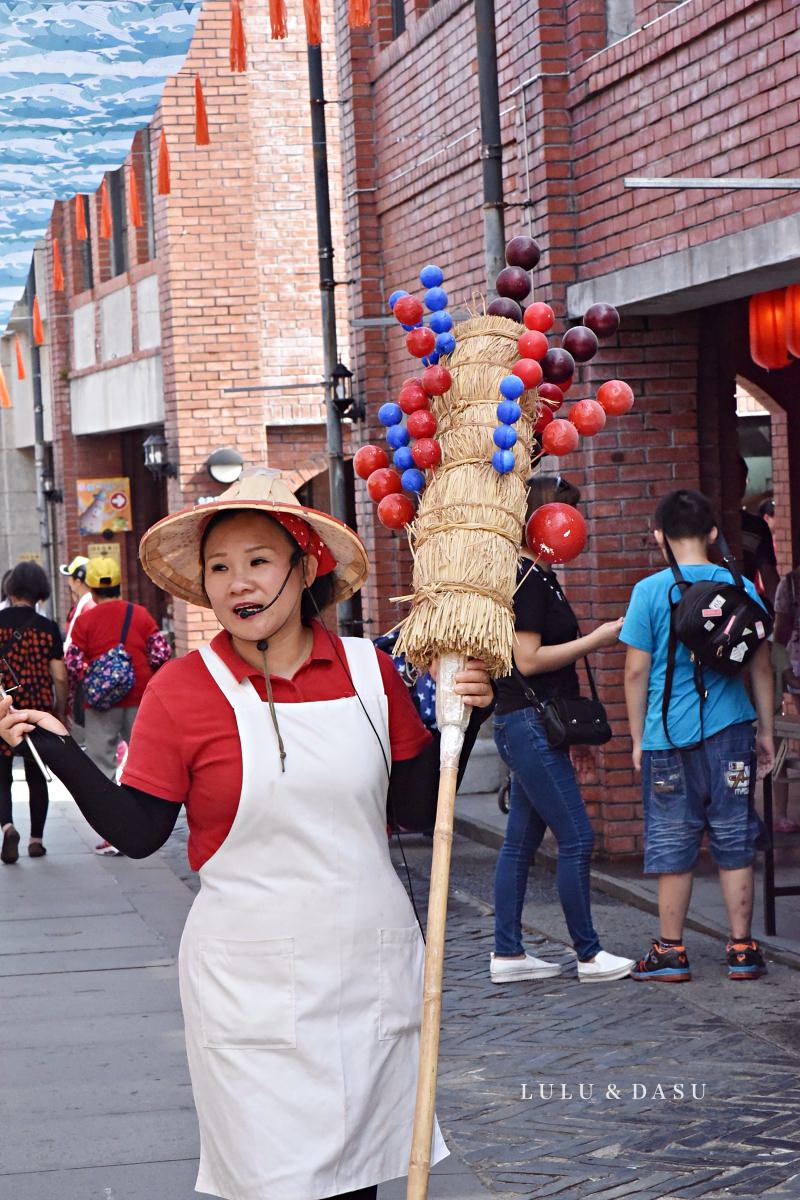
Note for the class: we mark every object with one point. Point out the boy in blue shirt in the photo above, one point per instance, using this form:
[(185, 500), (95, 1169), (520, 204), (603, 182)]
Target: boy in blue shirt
[(701, 777)]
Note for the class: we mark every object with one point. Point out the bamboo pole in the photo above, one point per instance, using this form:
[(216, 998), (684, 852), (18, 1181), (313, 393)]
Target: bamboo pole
[(452, 716)]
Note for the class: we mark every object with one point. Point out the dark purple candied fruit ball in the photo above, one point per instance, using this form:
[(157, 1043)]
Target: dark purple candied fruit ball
[(503, 306), (523, 252), (514, 283), (557, 365), (580, 342), (602, 319)]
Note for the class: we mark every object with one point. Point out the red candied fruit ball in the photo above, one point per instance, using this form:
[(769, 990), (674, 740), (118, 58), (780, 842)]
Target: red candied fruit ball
[(616, 397), (552, 395), (588, 417), (539, 316), (558, 365), (421, 425), (544, 419), (395, 511), (436, 380), (368, 459), (523, 252), (602, 319), (413, 396), (560, 437), (504, 306), (556, 532), (581, 343), (383, 482), (514, 283), (408, 310), (533, 344), (426, 453), (529, 371), (420, 342)]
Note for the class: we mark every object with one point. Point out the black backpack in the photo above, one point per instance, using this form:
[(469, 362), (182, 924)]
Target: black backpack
[(720, 623)]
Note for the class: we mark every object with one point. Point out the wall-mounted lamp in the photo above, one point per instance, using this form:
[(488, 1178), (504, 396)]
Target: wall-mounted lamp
[(342, 393), (52, 494), (156, 457), (225, 465)]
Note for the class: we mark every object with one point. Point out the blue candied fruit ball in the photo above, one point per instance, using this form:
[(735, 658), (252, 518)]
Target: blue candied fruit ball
[(504, 437), (431, 276), (390, 414), (441, 322), (511, 387), (508, 412), (397, 436), (402, 458), (503, 461), (435, 299), (395, 296), (445, 343), (412, 480), (433, 358)]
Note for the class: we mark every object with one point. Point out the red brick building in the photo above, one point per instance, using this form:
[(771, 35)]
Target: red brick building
[(592, 92)]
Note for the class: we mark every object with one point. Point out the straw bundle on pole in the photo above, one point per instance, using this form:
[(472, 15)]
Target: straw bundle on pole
[(466, 540)]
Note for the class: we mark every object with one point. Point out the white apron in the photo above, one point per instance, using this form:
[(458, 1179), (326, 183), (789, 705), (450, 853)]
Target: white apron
[(301, 961)]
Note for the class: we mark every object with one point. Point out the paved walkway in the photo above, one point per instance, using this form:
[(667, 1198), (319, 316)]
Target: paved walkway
[(540, 1084)]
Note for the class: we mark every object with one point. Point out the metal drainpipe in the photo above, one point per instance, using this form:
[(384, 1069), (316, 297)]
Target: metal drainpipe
[(45, 540), (333, 422), (491, 144)]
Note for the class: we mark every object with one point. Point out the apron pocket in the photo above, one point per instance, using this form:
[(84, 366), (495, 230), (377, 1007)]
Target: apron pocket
[(400, 970), (247, 994)]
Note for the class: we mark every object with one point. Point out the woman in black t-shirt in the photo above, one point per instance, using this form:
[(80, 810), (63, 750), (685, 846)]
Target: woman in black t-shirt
[(544, 786), (32, 662)]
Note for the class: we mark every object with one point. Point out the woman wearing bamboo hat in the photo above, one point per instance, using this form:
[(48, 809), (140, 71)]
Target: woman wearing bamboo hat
[(300, 963)]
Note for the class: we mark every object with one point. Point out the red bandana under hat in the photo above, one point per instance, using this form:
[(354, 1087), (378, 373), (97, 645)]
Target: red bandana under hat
[(308, 541)]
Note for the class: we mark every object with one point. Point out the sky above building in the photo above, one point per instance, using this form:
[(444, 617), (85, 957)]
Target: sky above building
[(77, 79)]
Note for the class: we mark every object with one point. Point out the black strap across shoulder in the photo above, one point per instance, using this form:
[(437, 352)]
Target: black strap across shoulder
[(16, 634), (126, 624), (526, 689)]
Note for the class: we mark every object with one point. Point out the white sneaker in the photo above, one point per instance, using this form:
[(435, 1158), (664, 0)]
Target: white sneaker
[(507, 970), (605, 968), (107, 848)]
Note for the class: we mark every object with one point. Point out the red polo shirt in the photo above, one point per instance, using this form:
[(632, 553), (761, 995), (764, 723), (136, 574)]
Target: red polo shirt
[(185, 743)]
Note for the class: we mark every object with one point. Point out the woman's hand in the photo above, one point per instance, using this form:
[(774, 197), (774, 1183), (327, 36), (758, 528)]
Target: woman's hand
[(584, 761), (607, 634), (473, 683), (14, 725)]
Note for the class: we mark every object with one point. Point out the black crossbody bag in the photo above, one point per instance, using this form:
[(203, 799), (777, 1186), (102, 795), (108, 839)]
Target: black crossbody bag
[(569, 720)]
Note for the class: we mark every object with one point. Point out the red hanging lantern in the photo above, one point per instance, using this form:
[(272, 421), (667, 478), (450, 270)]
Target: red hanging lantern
[(793, 319), (768, 329)]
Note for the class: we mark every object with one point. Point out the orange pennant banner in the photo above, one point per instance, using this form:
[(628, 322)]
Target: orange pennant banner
[(313, 22), (58, 270), (38, 332), (20, 359), (106, 224), (201, 137), (238, 47), (277, 19), (358, 14), (133, 193), (164, 186), (5, 396), (80, 219)]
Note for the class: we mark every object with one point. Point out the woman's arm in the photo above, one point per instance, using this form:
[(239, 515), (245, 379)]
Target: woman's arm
[(58, 674), (532, 658)]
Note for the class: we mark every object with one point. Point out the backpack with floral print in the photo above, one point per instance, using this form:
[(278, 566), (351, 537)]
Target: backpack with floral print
[(110, 677)]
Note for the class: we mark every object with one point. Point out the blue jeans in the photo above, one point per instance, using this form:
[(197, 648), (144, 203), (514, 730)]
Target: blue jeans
[(544, 794), (709, 788)]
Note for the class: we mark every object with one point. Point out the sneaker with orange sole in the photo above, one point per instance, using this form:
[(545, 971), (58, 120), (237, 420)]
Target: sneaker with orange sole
[(664, 964)]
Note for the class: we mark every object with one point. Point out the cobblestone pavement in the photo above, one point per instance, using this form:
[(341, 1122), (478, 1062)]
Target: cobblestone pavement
[(557, 1089)]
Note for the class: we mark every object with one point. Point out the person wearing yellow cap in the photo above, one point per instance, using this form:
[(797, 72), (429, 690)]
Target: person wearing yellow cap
[(95, 636), (79, 590), (301, 961)]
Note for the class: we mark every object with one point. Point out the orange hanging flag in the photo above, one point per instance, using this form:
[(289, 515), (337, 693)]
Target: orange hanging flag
[(359, 14), (133, 192), (163, 166), (313, 22), (238, 48), (80, 219), (5, 397), (277, 18), (106, 224), (58, 270), (201, 137), (38, 332), (20, 359)]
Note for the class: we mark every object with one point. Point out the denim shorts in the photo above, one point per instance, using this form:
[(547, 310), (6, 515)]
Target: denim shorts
[(705, 789)]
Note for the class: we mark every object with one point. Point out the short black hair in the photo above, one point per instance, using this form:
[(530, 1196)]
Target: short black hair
[(108, 593), (766, 508), (685, 514), (28, 582)]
